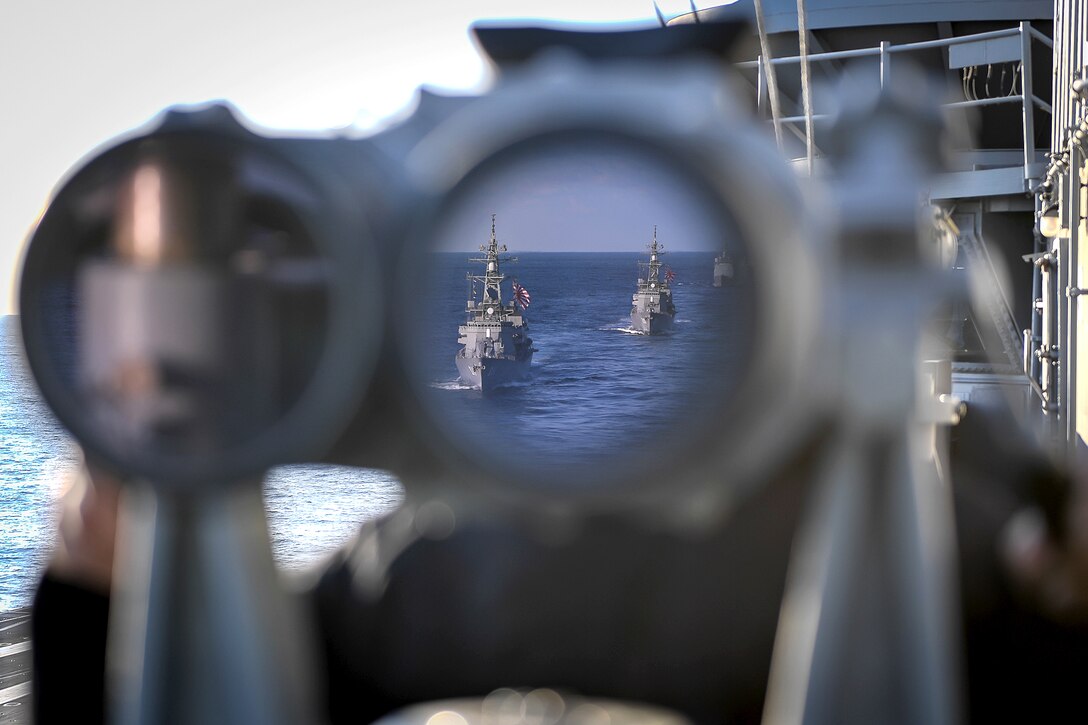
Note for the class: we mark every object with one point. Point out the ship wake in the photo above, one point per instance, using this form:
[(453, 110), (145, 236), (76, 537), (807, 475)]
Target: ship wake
[(627, 329), (451, 385)]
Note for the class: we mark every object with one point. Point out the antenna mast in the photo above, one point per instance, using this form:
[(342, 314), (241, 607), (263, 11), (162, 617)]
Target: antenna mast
[(492, 277)]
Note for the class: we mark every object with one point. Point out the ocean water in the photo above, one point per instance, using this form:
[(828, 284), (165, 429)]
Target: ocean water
[(598, 391), (312, 509), (34, 454)]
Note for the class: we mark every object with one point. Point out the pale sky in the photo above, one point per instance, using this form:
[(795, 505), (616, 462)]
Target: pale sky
[(76, 73), (579, 199)]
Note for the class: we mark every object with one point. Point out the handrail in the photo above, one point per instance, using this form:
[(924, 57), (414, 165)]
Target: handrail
[(831, 55), (1027, 99), (958, 40), (957, 104), (1041, 37), (806, 84), (984, 102), (902, 48), (772, 81)]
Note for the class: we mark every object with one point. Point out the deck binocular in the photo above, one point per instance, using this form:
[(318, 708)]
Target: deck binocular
[(201, 301)]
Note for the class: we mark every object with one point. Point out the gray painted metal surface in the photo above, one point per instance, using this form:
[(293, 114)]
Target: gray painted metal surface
[(1059, 198), (204, 565), (1016, 46), (724, 270), (868, 627), (975, 184), (15, 663), (982, 52), (781, 15)]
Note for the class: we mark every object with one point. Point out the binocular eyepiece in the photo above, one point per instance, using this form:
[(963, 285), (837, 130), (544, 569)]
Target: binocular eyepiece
[(187, 301)]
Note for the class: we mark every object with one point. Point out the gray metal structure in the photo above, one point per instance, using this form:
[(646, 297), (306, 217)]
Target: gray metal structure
[(724, 270), (781, 15), (1054, 350), (496, 347), (652, 309), (1018, 339), (996, 60)]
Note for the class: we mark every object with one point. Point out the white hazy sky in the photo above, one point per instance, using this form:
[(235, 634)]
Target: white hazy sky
[(76, 73)]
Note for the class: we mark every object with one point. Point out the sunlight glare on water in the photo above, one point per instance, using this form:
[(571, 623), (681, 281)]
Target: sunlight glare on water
[(312, 509)]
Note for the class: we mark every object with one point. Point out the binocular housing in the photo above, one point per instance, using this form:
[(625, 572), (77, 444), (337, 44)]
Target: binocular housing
[(201, 302)]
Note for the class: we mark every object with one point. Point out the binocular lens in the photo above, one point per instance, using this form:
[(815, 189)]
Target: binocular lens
[(585, 311), (176, 301)]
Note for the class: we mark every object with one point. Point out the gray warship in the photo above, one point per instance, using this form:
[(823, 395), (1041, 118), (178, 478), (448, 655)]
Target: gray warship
[(652, 310), (496, 347), (724, 270)]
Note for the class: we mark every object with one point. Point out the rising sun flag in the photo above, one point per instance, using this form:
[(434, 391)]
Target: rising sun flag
[(521, 296), (669, 275)]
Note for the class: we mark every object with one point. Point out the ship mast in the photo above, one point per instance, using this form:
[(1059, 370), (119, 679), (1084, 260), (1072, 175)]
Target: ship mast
[(653, 272), (655, 264), (492, 277)]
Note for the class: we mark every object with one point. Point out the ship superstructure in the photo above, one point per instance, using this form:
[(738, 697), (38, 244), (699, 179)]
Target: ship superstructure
[(724, 270), (1023, 81), (652, 309), (496, 349)]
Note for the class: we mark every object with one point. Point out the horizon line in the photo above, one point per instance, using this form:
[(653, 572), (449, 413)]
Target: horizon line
[(577, 251)]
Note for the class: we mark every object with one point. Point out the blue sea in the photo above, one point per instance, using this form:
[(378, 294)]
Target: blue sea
[(597, 391), (597, 388), (311, 509)]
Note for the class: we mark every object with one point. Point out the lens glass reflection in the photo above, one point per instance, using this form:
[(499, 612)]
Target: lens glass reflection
[(586, 305), (180, 302)]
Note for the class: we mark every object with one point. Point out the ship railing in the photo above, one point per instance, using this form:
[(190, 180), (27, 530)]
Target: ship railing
[(501, 313), (995, 46)]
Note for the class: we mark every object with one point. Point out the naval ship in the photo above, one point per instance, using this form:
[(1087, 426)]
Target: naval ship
[(723, 270), (496, 347), (652, 310)]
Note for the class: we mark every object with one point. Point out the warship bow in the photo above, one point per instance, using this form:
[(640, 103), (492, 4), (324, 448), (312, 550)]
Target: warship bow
[(496, 349), (652, 310)]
